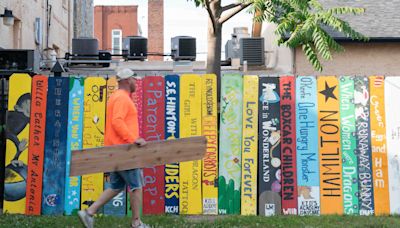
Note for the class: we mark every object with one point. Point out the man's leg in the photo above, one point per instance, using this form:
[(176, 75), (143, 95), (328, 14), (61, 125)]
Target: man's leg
[(117, 185), (134, 179), (136, 201), (106, 196)]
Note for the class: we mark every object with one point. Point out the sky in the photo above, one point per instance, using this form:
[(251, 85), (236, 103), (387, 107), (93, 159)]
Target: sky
[(182, 18)]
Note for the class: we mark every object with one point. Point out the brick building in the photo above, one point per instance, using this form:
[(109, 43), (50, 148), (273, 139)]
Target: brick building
[(156, 28), (112, 23)]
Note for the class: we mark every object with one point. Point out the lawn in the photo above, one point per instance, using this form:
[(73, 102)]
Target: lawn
[(206, 221)]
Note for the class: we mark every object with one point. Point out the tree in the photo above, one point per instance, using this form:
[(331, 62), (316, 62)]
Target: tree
[(300, 23)]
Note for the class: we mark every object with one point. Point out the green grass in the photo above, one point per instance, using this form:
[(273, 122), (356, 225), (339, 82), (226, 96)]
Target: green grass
[(17, 221)]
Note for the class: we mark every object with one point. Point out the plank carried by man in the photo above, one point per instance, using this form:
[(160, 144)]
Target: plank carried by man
[(131, 156)]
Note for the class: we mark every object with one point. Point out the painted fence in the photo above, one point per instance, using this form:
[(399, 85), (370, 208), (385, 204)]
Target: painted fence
[(285, 145)]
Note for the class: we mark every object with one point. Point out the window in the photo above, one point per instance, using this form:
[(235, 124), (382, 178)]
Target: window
[(116, 41)]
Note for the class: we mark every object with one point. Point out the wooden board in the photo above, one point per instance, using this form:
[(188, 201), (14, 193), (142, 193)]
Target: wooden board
[(94, 109), (392, 107), (230, 139), (348, 141), (330, 156), (117, 205), (362, 115), (153, 130), (74, 142), (55, 146), (130, 156), (378, 144), (307, 146), (17, 132), (190, 125), (36, 145), (172, 132), (249, 146), (288, 149), (269, 157), (210, 130)]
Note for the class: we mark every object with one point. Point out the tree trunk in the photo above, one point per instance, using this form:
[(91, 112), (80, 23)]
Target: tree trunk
[(257, 25), (214, 52)]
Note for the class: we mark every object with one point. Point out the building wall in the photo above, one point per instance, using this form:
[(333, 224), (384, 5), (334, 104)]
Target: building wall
[(156, 28), (358, 59), (107, 18), (278, 59), (22, 34), (83, 18)]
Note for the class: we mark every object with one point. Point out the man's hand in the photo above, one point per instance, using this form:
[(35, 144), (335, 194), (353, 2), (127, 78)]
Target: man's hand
[(140, 142)]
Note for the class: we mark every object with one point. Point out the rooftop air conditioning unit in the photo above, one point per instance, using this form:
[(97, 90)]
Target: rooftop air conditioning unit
[(183, 48), (135, 48), (85, 48), (104, 56), (232, 46), (18, 61), (252, 51), (85, 51)]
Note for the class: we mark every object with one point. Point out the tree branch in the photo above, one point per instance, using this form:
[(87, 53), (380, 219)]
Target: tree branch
[(230, 6), (233, 11), (210, 14)]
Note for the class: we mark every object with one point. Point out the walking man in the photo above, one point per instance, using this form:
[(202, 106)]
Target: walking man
[(121, 128)]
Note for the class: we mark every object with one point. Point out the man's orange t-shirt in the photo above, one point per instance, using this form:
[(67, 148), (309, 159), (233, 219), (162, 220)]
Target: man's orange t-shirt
[(122, 119)]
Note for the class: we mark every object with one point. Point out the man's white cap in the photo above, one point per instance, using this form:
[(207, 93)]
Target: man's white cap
[(125, 74)]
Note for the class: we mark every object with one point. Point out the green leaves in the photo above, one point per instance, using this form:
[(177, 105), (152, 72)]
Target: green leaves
[(321, 43), (198, 2), (302, 23), (312, 57)]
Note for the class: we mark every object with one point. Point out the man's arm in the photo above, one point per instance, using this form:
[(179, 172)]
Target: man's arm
[(141, 142)]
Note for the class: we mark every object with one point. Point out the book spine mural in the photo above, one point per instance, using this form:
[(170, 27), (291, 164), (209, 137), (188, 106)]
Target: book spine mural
[(117, 205), (269, 147), (55, 147), (330, 156), (190, 201), (362, 115), (249, 146), (137, 98), (229, 180), (74, 142), (94, 109), (153, 130), (307, 146), (378, 146), (172, 132), (36, 145), (392, 108), (288, 148), (287, 145), (348, 141), (210, 130), (17, 141)]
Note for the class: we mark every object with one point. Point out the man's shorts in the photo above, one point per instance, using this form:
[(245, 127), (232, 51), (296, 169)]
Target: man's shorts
[(133, 178)]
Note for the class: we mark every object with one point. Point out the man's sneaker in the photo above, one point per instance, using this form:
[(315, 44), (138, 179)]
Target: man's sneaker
[(86, 219), (139, 224)]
